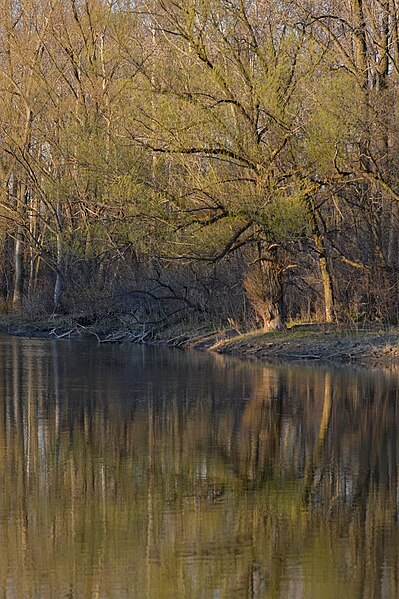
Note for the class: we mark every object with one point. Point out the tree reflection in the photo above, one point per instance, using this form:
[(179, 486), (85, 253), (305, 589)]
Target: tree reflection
[(163, 474)]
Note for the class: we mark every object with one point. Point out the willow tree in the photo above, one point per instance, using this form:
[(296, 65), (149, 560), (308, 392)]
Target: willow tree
[(224, 112)]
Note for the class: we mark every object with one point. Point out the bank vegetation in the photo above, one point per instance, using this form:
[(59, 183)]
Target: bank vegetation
[(230, 163)]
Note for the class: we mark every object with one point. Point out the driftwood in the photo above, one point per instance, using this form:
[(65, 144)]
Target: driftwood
[(54, 333), (119, 336)]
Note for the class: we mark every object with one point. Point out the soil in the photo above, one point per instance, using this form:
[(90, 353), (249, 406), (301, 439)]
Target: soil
[(375, 348), (372, 345)]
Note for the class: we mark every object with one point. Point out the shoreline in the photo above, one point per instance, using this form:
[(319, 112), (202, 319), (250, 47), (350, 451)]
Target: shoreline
[(330, 346), (375, 346)]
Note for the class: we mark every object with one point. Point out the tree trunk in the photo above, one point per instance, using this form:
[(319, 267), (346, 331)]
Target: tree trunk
[(273, 313), (360, 42), (18, 269), (59, 279), (329, 310), (19, 191), (273, 318), (263, 284)]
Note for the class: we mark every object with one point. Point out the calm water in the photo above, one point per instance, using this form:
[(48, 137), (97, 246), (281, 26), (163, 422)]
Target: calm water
[(139, 472)]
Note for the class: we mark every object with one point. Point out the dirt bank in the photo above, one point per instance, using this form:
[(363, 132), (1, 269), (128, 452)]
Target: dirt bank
[(373, 345), (378, 347)]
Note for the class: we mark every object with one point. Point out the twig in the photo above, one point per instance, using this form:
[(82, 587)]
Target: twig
[(66, 334)]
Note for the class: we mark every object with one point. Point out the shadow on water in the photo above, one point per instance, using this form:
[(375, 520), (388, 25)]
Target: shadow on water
[(141, 472)]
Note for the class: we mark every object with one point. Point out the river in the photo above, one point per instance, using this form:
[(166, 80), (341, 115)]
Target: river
[(130, 471)]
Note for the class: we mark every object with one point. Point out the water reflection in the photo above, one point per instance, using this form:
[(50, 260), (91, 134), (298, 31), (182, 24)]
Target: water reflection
[(140, 472)]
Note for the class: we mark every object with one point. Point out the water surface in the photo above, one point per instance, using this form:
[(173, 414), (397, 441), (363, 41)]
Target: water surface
[(152, 473)]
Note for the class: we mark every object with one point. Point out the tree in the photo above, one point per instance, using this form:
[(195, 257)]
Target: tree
[(225, 114), (356, 139)]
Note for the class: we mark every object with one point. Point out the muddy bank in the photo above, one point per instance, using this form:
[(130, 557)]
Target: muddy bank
[(374, 345), (375, 348)]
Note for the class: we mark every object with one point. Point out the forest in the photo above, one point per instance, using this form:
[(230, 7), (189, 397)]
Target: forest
[(218, 161)]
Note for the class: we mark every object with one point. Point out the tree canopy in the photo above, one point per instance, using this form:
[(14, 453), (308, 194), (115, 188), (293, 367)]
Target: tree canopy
[(212, 156)]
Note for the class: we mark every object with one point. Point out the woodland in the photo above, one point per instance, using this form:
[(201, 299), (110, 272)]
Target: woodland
[(218, 161)]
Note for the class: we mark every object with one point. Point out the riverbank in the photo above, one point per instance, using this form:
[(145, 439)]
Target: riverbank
[(374, 348), (373, 345)]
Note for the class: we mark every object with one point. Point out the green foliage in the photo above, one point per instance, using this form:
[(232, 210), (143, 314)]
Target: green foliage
[(170, 130), (333, 123)]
